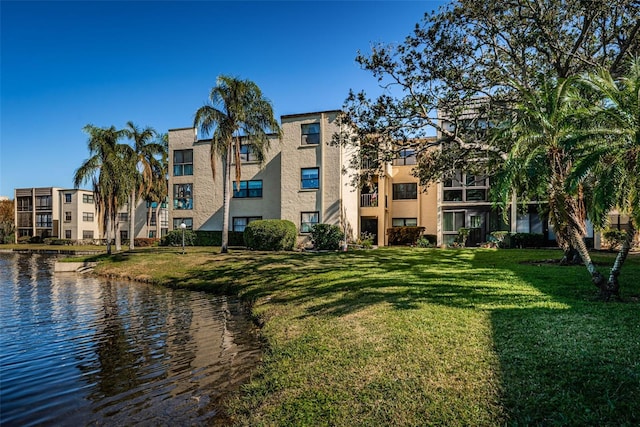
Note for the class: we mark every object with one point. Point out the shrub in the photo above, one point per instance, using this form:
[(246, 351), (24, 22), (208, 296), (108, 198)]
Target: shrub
[(270, 235), (24, 239), (326, 236), (527, 240), (614, 238), (427, 241), (404, 235), (174, 238), (58, 242), (461, 238), (145, 242), (214, 238), (366, 239)]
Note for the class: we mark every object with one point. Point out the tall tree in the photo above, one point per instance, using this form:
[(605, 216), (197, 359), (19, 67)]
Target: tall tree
[(546, 132), (159, 190), (7, 223), (104, 169), (610, 159), (237, 114), (143, 159)]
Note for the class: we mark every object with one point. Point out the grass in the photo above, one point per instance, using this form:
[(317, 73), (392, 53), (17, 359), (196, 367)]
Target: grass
[(414, 337)]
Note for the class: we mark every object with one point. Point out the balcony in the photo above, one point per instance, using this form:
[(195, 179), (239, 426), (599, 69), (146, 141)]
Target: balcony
[(369, 200)]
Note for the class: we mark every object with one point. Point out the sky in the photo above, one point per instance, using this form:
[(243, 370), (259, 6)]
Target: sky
[(64, 65)]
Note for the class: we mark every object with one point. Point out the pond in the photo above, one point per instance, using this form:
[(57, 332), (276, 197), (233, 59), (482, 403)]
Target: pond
[(82, 350)]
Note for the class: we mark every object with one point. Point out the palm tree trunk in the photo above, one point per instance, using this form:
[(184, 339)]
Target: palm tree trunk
[(132, 219), (577, 241), (108, 234), (613, 286), (226, 183)]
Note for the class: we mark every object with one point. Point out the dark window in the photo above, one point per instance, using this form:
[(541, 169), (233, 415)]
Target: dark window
[(405, 157), (247, 154), (67, 217), (311, 134), (405, 191), (44, 220), (87, 216), (187, 221), (87, 198), (404, 222), (67, 197), (24, 204), (182, 162), (308, 220), (43, 203), (87, 234), (310, 178), (67, 234), (123, 217), (247, 189)]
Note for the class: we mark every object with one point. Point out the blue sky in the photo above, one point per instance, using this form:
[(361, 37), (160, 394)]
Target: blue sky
[(68, 64)]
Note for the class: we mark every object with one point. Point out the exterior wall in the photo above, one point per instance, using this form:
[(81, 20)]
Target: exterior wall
[(26, 217), (77, 207), (207, 210), (335, 200)]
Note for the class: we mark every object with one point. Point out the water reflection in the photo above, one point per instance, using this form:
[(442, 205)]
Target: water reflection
[(78, 350)]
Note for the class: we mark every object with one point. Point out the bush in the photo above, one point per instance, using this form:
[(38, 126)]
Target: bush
[(404, 235), (270, 235), (58, 242), (527, 240), (614, 238), (145, 242), (427, 241), (214, 238), (326, 237), (461, 238), (366, 239), (174, 238), (24, 239)]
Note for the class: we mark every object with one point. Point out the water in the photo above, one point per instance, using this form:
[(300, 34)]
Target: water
[(79, 350)]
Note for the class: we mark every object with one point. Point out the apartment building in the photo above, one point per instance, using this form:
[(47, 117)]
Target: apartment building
[(71, 214), (303, 179)]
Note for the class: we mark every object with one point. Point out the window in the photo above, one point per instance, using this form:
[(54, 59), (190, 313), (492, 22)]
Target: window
[(124, 235), (43, 203), (152, 234), (87, 216), (240, 222), (248, 189), (87, 198), (67, 197), (87, 234), (44, 220), (311, 134), (67, 234), (310, 178), (187, 221), (405, 191), (308, 220), (182, 162), (183, 196), (247, 154), (67, 217), (123, 217), (153, 221), (452, 221), (24, 204), (406, 156), (465, 188), (404, 222)]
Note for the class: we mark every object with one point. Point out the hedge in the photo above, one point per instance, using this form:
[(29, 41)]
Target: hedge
[(326, 236), (404, 235), (270, 235)]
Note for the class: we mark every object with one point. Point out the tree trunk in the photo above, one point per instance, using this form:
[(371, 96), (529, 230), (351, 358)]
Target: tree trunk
[(132, 219), (158, 224), (108, 234), (149, 215), (577, 241), (226, 183), (613, 286), (117, 235)]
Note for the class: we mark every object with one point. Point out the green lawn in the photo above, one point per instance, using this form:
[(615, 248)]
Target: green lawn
[(415, 337)]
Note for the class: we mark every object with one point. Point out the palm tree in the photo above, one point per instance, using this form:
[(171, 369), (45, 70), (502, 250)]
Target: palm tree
[(142, 160), (104, 169), (545, 131), (158, 192), (236, 113), (611, 158)]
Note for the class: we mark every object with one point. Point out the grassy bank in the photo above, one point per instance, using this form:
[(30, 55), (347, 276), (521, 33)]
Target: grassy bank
[(406, 336)]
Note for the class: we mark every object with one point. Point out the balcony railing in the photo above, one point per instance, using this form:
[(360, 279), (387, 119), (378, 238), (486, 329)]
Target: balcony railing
[(369, 200)]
